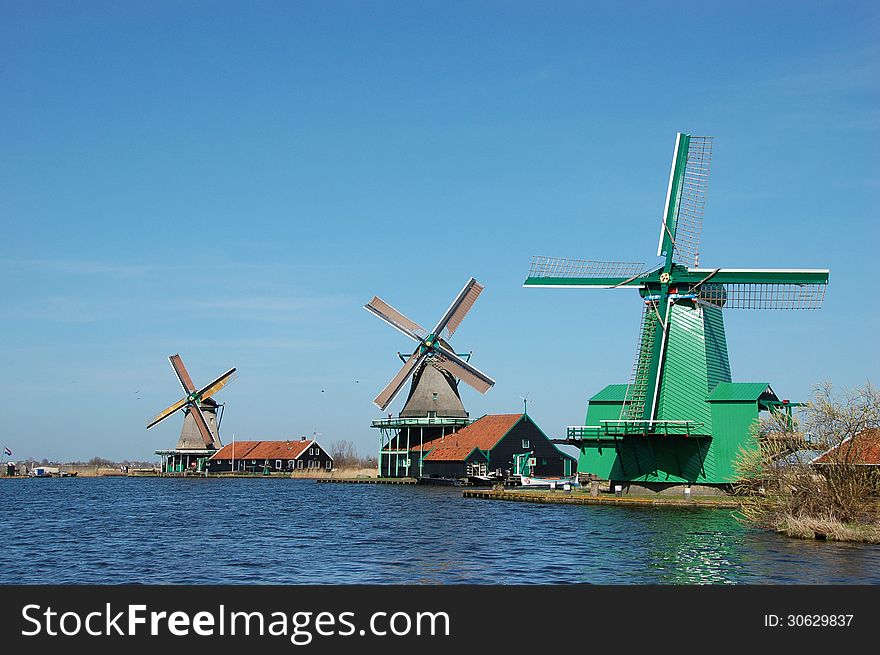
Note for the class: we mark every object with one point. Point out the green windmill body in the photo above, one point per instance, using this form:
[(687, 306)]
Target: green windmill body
[(680, 418)]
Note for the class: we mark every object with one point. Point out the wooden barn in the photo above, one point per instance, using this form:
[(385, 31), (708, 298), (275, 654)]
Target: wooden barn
[(494, 443), (305, 455)]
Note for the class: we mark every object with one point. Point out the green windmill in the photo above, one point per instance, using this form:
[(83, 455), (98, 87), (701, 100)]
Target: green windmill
[(680, 418)]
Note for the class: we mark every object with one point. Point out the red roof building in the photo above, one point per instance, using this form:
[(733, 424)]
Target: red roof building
[(492, 443), (863, 449), (270, 456)]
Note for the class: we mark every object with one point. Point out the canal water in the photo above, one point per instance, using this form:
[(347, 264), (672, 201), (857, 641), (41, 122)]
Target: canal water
[(264, 531)]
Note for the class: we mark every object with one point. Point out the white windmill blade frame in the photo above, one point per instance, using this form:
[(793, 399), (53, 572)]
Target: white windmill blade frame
[(486, 382), (460, 307), (397, 326), (668, 195), (389, 393)]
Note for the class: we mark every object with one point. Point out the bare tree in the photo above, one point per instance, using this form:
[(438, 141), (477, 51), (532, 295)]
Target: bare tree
[(814, 482), (344, 454)]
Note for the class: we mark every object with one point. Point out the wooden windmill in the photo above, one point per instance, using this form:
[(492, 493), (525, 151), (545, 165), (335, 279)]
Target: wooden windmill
[(200, 428), (680, 418), (433, 407), (432, 349)]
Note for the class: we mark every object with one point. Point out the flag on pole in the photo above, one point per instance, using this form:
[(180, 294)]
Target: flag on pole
[(7, 452)]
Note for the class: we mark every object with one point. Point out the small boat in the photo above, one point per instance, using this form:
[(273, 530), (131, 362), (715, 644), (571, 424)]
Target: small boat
[(548, 483)]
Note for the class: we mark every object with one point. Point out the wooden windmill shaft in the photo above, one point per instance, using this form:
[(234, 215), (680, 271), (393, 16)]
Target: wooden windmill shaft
[(673, 421)]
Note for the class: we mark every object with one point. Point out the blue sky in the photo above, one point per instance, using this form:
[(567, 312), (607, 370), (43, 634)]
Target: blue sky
[(233, 181)]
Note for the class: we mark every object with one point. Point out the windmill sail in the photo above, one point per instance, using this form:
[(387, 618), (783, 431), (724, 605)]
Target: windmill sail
[(431, 348), (686, 199), (558, 271), (772, 295)]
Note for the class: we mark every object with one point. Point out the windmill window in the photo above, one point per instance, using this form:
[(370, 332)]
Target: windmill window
[(525, 443), (434, 396)]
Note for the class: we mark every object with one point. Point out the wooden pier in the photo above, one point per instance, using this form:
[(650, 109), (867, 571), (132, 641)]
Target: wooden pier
[(580, 498)]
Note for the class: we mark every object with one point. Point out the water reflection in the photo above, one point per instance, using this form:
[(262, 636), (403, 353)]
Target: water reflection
[(122, 530)]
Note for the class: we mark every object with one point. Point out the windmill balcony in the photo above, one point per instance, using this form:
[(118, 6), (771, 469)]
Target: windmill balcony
[(610, 430)]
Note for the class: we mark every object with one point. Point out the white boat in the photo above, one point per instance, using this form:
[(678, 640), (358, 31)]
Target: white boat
[(548, 483)]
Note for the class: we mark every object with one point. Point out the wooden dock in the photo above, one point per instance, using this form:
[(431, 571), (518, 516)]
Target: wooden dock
[(368, 480), (580, 498)]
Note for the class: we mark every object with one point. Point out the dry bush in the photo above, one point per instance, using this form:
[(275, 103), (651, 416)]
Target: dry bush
[(783, 489)]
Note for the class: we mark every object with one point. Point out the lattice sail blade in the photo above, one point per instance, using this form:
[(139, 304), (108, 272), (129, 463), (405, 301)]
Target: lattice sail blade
[(449, 361), (395, 319), (633, 407), (165, 413), (584, 272), (686, 199), (776, 295), (210, 389), (182, 374), (459, 307), (393, 388)]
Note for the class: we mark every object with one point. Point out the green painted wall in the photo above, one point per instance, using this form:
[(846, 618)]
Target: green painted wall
[(717, 360), (684, 382), (603, 411), (696, 361), (667, 459), (732, 422)]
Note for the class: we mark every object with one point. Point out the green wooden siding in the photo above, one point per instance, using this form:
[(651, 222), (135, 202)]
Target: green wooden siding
[(717, 362), (644, 459), (684, 384), (732, 423)]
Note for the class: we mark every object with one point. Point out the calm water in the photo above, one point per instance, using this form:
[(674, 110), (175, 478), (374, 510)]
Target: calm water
[(149, 530)]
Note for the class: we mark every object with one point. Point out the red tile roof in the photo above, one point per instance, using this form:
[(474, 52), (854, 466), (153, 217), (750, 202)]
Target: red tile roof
[(864, 448), (262, 450), (483, 433), (240, 448)]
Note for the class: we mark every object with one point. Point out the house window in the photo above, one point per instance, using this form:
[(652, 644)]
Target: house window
[(525, 443), (277, 464), (290, 464), (329, 464), (299, 464)]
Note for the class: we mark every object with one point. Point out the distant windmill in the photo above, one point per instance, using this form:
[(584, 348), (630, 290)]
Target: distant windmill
[(432, 349), (195, 404)]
